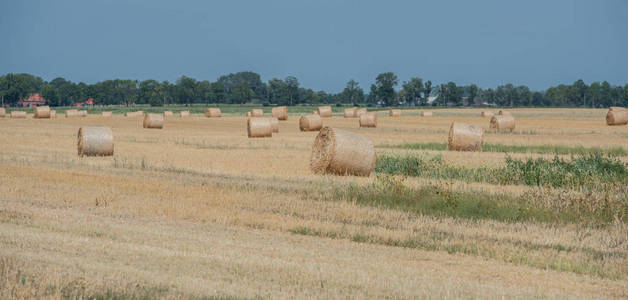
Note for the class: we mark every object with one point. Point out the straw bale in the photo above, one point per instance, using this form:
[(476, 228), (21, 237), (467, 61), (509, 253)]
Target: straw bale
[(360, 111), (311, 122), (168, 113), (395, 113), (213, 112), (256, 112), (134, 113), (3, 112), (351, 112), (280, 112), (248, 114), (324, 111), (154, 121), (95, 141), (259, 127), (465, 137), (315, 112), (53, 113), (342, 152), (82, 113), (274, 124), (617, 117), (614, 108), (487, 114), (368, 119), (70, 113), (501, 122), (18, 114), (184, 114), (504, 113), (42, 112), (427, 114)]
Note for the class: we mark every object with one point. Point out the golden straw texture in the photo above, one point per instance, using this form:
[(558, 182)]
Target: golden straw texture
[(3, 112), (617, 117), (274, 124), (487, 114), (42, 112), (504, 113), (168, 113), (368, 119), (426, 114), (360, 111), (70, 113), (259, 127), (324, 111), (213, 112), (395, 113), (502, 122), (256, 112), (281, 113), (465, 137), (106, 114), (184, 114), (95, 141), (351, 112), (18, 114), (342, 152), (155, 121), (311, 122)]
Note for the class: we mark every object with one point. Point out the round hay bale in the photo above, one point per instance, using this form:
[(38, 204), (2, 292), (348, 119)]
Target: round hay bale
[(256, 112), (501, 122), (213, 112), (614, 108), (18, 114), (351, 112), (342, 152), (324, 111), (95, 141), (311, 122), (154, 121), (368, 119), (42, 112), (168, 113), (184, 114), (106, 114), (360, 111), (70, 113), (395, 113), (3, 112), (427, 114), (617, 117), (82, 113), (487, 114), (465, 137), (274, 124), (504, 113), (259, 127), (315, 112), (53, 114), (248, 114), (280, 112)]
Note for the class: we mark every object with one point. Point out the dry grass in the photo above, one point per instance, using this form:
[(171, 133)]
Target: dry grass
[(198, 209)]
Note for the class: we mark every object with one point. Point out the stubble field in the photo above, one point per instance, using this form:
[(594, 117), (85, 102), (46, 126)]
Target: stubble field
[(198, 209)]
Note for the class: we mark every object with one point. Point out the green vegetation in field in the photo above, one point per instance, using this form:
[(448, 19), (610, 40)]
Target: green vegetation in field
[(582, 170), (540, 149), (440, 200)]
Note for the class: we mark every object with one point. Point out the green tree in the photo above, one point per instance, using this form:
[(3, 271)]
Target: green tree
[(385, 87), (352, 93), (412, 91)]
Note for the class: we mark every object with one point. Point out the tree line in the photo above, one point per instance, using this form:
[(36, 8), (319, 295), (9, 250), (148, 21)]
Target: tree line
[(247, 87)]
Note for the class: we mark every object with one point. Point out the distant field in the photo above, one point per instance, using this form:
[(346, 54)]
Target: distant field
[(197, 209)]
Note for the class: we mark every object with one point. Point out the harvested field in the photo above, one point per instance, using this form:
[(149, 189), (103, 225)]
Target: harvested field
[(198, 209)]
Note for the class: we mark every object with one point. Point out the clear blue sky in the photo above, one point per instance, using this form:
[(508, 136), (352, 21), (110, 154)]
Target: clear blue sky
[(322, 43)]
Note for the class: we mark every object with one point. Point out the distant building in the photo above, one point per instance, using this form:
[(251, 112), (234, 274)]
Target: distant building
[(89, 102), (33, 100)]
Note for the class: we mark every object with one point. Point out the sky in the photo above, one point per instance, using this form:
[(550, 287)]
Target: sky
[(322, 43)]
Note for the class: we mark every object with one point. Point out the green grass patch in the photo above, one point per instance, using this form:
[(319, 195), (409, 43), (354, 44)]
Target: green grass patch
[(440, 200), (540, 149), (581, 170)]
